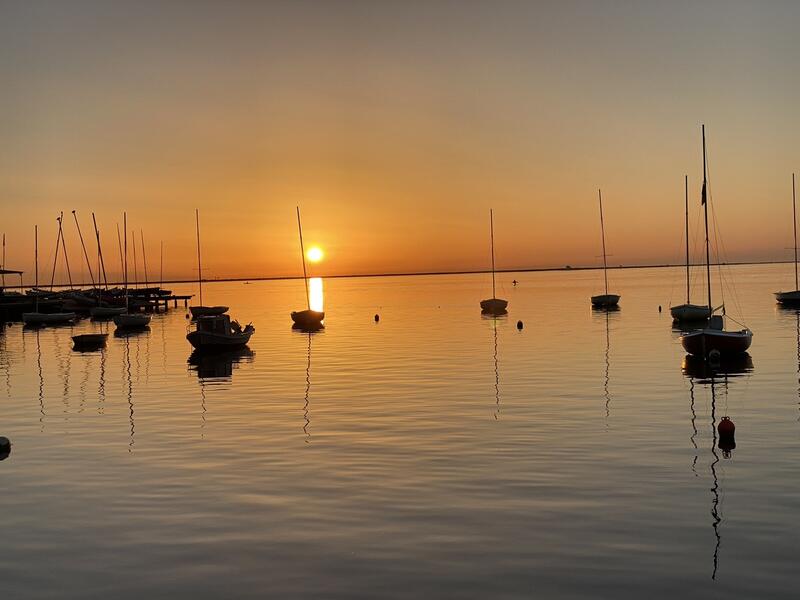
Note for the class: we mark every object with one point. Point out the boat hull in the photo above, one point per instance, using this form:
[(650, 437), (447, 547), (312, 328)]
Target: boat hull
[(605, 300), (494, 306), (788, 298), (131, 321), (207, 311), (89, 340), (726, 343), (36, 318), (690, 312), (308, 319), (101, 312), (206, 340)]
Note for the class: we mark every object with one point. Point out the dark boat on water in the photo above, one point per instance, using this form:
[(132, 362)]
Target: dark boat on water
[(219, 333), (604, 300), (307, 320), (713, 339)]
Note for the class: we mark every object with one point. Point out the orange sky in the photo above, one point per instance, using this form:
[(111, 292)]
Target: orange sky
[(395, 126)]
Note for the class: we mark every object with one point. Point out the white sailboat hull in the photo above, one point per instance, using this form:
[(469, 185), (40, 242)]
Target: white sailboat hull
[(36, 318), (690, 312)]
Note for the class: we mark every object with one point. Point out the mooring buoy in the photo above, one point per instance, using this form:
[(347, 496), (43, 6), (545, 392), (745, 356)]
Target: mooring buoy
[(659, 308), (520, 325), (5, 447), (377, 317), (726, 428)]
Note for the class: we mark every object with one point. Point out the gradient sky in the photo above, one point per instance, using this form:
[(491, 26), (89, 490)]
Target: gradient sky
[(396, 126)]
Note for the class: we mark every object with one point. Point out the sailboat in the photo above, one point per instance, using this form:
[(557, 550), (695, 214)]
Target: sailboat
[(688, 311), (306, 319), (203, 311), (36, 317), (494, 305), (714, 338), (129, 320), (604, 300), (792, 298)]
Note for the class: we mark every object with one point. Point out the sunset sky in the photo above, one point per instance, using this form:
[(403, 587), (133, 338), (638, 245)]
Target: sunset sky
[(396, 126)]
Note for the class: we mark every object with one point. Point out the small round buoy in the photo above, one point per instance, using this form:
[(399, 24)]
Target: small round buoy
[(726, 428), (5, 447), (659, 308), (520, 325), (377, 317)]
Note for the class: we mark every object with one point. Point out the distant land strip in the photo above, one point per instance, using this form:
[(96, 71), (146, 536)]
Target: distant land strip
[(157, 283)]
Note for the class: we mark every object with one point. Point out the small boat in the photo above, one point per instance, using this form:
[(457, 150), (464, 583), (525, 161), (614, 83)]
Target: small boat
[(307, 320), (105, 312), (203, 311), (604, 300), (493, 305), (87, 341), (36, 317), (207, 311), (713, 338), (219, 332), (688, 312), (792, 298)]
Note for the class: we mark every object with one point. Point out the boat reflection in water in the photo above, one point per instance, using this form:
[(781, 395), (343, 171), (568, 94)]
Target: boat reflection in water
[(494, 318), (714, 374), (607, 312), (125, 332), (220, 364)]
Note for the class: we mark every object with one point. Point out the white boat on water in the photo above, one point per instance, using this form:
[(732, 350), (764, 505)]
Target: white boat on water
[(219, 332), (493, 305), (688, 312)]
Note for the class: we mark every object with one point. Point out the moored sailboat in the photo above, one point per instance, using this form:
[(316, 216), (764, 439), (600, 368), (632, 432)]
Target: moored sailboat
[(688, 312), (40, 318), (129, 320), (604, 300), (306, 319), (493, 305), (792, 298), (203, 311), (714, 338)]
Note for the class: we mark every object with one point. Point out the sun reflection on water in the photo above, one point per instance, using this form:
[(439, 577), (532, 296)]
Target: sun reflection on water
[(315, 295)]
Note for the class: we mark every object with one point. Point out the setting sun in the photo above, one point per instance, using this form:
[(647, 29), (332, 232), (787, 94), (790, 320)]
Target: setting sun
[(315, 254)]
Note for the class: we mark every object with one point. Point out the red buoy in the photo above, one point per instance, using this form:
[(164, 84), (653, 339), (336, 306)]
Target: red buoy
[(726, 428)]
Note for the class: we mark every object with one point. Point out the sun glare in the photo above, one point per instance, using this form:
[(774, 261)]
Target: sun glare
[(315, 254)]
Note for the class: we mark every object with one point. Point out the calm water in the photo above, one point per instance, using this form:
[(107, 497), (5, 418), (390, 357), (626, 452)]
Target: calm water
[(433, 454)]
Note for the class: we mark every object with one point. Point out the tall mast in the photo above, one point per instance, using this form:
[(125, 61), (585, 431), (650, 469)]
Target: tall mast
[(102, 261), (794, 224), (491, 235), (125, 262), (3, 266), (303, 254), (55, 259), (135, 270), (119, 243), (199, 271), (85, 254), (704, 201), (36, 264), (162, 264), (603, 235), (144, 258), (686, 193)]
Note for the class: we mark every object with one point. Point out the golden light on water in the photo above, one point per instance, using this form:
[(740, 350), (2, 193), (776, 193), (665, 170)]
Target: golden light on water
[(315, 254), (315, 296)]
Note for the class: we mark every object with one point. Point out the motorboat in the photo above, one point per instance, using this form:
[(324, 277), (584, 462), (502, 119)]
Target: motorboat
[(219, 332)]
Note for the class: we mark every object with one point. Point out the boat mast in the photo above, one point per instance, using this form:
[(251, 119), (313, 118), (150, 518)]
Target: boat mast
[(794, 224), (125, 262), (4, 260), (199, 272), (603, 236), (36, 265), (303, 255), (704, 200), (686, 194), (491, 235), (144, 258), (85, 254), (162, 264), (102, 265)]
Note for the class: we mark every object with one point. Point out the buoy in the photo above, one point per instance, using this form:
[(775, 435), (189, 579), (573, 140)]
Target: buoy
[(5, 447), (377, 317), (187, 316), (726, 428), (519, 325), (659, 308)]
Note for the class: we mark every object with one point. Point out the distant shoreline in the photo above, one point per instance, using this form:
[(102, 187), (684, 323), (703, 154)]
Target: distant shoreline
[(418, 274)]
